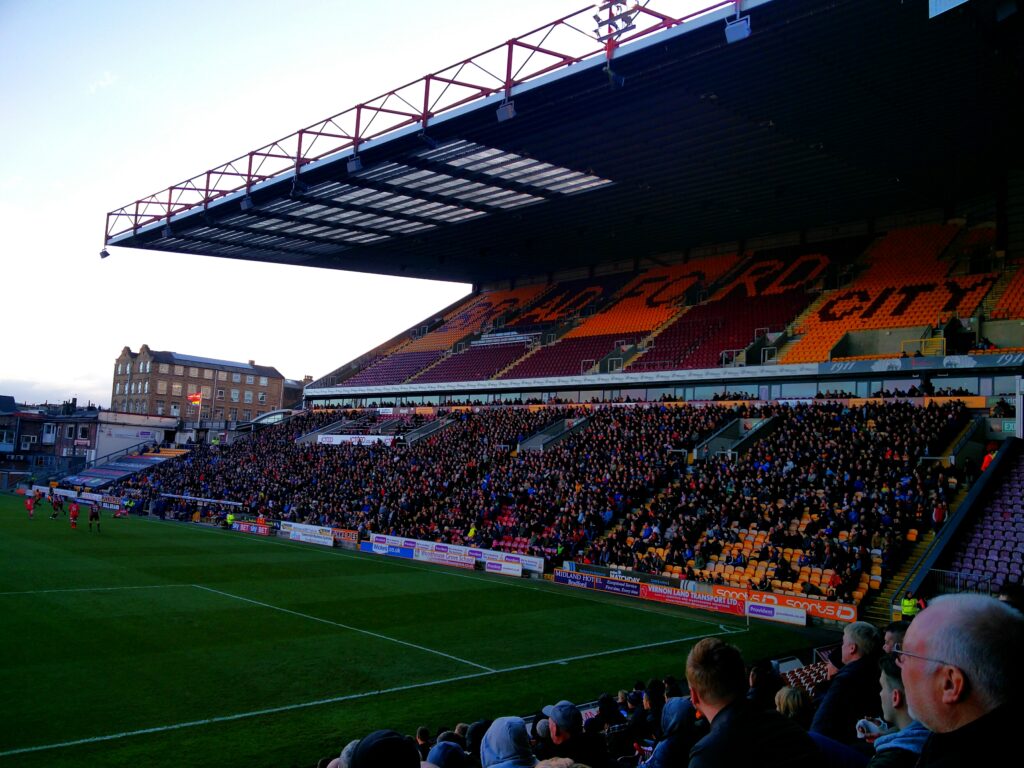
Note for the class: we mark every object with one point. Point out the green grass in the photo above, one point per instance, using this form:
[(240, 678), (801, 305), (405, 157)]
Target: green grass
[(83, 656)]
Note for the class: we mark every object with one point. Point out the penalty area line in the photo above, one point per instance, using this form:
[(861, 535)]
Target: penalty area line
[(354, 696)]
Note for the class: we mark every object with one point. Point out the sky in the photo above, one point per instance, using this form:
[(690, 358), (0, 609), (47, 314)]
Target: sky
[(106, 102)]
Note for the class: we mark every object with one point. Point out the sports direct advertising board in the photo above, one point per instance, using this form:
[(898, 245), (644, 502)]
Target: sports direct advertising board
[(820, 609), (526, 562)]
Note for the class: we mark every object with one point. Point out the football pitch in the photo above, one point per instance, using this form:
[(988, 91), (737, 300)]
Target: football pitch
[(165, 644)]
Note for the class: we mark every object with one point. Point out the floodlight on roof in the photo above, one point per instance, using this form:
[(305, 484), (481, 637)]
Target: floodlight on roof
[(104, 253), (355, 165), (166, 231), (737, 29), (247, 204), (506, 111)]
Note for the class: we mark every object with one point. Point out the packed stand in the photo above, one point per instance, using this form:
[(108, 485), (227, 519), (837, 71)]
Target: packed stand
[(820, 505)]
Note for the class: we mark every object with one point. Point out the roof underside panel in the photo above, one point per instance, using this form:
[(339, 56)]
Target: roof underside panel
[(830, 112)]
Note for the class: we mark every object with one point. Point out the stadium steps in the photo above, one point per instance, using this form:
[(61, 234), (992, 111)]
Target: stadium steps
[(559, 332), (795, 328), (878, 609), (998, 290), (439, 360)]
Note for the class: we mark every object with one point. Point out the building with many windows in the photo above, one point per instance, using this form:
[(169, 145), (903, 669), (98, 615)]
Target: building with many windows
[(161, 383)]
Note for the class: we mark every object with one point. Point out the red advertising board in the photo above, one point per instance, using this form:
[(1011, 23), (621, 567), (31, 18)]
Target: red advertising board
[(821, 609), (718, 603)]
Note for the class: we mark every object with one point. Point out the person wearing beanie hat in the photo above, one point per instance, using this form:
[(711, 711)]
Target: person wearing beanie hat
[(386, 749), (447, 754)]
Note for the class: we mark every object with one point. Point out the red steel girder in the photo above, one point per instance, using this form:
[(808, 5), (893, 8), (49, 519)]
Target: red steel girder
[(420, 102)]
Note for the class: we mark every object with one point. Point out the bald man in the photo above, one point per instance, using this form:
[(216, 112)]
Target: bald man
[(962, 674)]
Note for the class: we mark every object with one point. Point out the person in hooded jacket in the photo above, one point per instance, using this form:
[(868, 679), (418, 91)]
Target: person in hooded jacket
[(507, 745), (681, 730)]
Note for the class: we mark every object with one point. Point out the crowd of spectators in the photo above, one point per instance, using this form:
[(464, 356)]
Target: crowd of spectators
[(941, 691), (466, 484), (832, 482)]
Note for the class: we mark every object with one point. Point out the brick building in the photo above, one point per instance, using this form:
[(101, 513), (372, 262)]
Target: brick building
[(159, 383)]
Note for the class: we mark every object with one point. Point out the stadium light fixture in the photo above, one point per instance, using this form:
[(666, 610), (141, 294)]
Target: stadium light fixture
[(355, 165), (247, 204), (506, 111), (104, 253), (737, 29), (166, 231)]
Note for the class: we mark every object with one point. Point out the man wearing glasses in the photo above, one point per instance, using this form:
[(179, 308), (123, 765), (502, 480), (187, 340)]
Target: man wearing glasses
[(964, 679)]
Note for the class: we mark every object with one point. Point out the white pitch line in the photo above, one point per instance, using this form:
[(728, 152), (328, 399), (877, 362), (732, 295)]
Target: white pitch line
[(94, 589), (347, 626), (502, 581), (352, 696)]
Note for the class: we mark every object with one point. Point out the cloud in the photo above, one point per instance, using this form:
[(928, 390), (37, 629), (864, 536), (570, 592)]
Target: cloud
[(107, 80)]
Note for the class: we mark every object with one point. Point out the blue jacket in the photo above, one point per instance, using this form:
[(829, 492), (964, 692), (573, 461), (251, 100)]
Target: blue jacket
[(679, 726), (900, 748)]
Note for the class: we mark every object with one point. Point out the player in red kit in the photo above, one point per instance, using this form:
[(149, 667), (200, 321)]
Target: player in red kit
[(30, 505), (73, 513)]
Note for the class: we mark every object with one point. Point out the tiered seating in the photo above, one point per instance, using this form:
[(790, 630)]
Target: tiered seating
[(395, 368), (905, 285), (1011, 303), (767, 294), (566, 300), (424, 351), (569, 356), (647, 301), (994, 548), (653, 297), (753, 300), (476, 363)]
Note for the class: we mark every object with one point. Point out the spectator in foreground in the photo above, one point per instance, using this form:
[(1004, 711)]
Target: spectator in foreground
[(853, 693), (893, 634), (962, 673), (901, 738), (507, 745), (388, 748), (741, 734), (568, 738), (681, 731)]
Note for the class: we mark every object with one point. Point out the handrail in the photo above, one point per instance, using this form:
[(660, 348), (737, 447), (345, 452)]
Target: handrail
[(924, 564), (107, 458)]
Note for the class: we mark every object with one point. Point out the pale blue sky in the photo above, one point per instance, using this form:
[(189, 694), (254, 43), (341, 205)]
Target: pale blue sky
[(108, 101)]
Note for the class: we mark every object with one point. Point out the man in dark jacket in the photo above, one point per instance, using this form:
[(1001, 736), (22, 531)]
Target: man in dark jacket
[(853, 693), (741, 733)]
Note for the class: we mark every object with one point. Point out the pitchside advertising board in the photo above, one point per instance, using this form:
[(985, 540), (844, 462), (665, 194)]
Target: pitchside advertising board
[(355, 439), (310, 534), (254, 528), (819, 609), (653, 592), (525, 562)]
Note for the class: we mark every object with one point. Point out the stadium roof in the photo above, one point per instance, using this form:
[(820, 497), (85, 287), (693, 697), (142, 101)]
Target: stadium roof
[(831, 111)]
